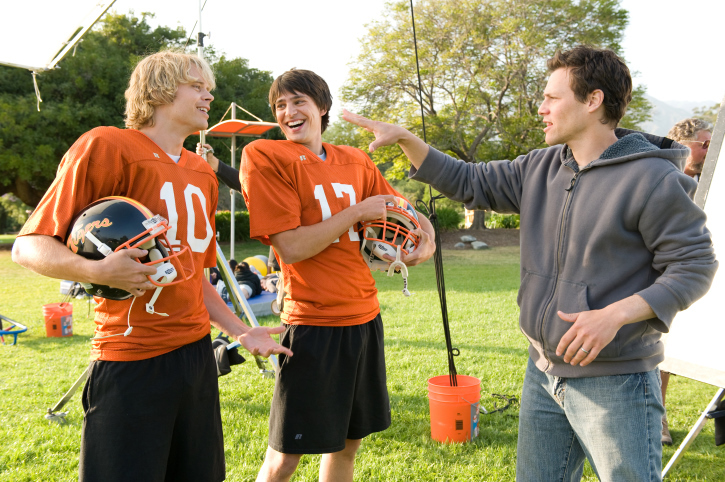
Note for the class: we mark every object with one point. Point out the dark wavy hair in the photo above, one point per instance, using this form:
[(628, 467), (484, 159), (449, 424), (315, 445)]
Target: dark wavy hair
[(304, 82), (591, 69)]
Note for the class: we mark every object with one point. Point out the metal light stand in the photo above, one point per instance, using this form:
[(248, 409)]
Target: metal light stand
[(242, 307)]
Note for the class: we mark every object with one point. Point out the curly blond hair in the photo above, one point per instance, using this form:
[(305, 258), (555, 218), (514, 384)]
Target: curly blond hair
[(155, 81), (687, 129)]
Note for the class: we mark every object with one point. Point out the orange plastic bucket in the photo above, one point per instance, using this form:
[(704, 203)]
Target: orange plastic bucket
[(454, 410), (58, 319)]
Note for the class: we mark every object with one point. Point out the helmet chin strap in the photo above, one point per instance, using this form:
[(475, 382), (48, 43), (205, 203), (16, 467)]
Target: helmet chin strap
[(165, 273), (398, 264), (101, 247)]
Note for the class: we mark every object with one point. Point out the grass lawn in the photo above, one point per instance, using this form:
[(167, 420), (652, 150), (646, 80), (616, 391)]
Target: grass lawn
[(483, 317)]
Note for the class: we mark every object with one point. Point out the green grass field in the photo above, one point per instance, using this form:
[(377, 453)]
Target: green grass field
[(483, 318)]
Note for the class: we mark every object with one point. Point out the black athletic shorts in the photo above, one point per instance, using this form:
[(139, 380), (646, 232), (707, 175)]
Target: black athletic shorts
[(154, 420), (332, 389)]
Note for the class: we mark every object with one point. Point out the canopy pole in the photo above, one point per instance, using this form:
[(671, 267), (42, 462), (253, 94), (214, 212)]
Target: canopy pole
[(200, 36), (231, 191)]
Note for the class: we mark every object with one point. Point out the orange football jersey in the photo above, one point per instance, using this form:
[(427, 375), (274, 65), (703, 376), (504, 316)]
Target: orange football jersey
[(108, 161), (286, 186)]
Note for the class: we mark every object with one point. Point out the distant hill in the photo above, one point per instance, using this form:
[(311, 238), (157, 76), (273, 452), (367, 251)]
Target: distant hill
[(665, 114)]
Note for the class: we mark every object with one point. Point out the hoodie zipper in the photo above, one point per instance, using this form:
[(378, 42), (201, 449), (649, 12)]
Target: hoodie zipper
[(570, 191)]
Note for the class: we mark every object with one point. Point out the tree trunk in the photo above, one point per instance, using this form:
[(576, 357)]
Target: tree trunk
[(478, 220)]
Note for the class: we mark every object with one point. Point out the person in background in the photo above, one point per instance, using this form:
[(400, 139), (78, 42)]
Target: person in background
[(214, 275), (224, 172), (248, 281), (695, 134)]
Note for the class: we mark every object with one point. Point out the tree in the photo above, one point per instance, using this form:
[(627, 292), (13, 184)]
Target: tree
[(483, 70), (87, 91), (707, 113), (248, 88)]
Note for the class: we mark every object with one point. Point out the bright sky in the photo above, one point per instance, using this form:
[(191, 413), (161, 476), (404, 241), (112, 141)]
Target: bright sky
[(668, 41)]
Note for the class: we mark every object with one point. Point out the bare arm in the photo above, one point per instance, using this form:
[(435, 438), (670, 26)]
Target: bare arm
[(49, 257), (388, 134), (256, 340), (306, 241), (595, 329)]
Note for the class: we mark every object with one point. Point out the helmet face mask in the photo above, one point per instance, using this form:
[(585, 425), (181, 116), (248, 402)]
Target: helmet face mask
[(381, 237), (122, 223)]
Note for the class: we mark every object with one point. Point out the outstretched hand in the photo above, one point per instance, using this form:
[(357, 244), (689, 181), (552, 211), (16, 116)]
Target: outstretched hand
[(388, 134), (385, 134), (259, 342)]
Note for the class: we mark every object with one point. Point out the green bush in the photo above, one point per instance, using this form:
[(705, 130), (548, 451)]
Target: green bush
[(241, 225), (448, 218), (13, 214), (505, 221)]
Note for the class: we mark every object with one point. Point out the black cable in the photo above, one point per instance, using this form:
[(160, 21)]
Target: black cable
[(508, 399), (440, 282), (420, 84), (430, 211), (192, 28)]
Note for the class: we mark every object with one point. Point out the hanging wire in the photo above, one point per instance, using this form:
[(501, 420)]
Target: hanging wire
[(37, 90), (430, 211), (194, 27)]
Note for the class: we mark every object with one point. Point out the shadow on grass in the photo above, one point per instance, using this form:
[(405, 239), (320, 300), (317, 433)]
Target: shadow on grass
[(45, 344), (476, 287), (436, 345), (245, 406)]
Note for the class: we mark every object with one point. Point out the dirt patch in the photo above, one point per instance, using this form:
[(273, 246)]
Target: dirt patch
[(493, 237), (6, 246)]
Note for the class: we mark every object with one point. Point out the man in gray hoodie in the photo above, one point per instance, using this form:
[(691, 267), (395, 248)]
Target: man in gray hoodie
[(612, 247)]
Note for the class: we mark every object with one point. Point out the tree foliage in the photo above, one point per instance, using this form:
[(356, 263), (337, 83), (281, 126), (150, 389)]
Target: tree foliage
[(707, 113), (87, 91), (483, 71), (248, 88)]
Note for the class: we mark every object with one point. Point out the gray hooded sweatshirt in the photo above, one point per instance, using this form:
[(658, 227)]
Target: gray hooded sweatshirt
[(625, 224)]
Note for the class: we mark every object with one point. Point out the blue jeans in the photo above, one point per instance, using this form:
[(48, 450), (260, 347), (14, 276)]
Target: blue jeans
[(614, 421)]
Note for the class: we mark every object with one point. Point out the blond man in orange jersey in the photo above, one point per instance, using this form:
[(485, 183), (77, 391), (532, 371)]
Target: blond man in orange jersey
[(306, 198), (151, 403)]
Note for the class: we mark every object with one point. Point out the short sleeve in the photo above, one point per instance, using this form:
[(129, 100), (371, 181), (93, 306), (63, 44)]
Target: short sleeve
[(270, 194), (87, 172)]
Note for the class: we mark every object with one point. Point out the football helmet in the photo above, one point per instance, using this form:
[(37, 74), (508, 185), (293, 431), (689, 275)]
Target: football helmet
[(389, 237), (115, 223)]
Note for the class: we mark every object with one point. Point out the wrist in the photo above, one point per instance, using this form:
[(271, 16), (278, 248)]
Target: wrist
[(89, 271), (405, 137), (619, 314)]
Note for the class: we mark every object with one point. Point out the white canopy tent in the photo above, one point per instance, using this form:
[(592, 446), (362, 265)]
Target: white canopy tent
[(48, 33)]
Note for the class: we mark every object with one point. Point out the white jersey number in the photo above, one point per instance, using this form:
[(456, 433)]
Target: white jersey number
[(196, 244), (340, 190)]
